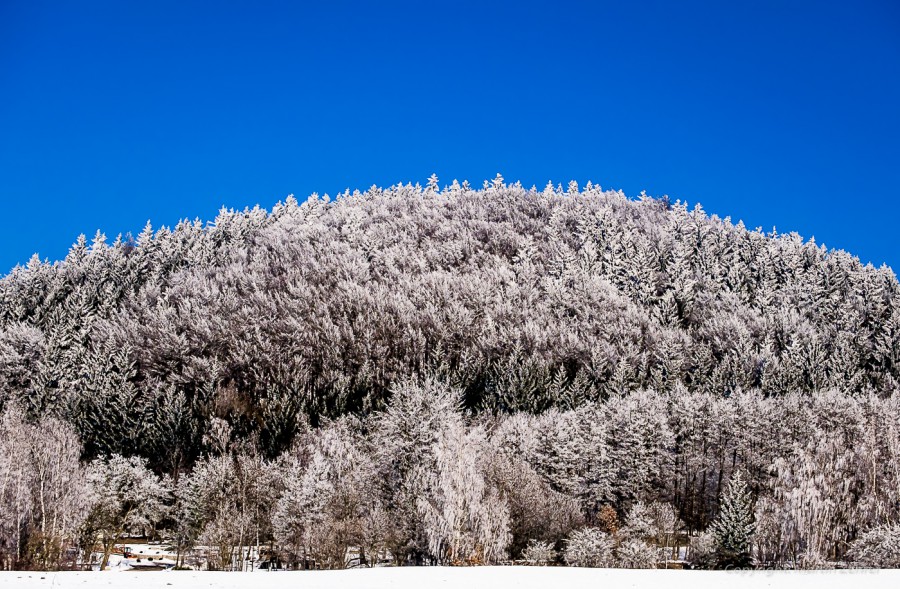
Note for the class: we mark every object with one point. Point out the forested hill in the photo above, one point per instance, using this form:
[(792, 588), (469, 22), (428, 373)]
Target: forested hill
[(523, 299)]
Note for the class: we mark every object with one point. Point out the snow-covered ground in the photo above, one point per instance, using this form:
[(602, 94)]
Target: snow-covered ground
[(452, 578)]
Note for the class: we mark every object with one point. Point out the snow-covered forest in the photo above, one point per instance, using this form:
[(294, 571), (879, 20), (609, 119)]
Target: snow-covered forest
[(454, 376)]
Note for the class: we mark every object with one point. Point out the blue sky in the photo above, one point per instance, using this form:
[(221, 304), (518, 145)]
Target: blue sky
[(778, 113)]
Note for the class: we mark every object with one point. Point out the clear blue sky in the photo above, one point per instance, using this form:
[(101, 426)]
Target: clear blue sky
[(782, 114)]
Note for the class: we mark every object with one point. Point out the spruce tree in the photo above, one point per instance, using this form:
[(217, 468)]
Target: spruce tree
[(733, 528)]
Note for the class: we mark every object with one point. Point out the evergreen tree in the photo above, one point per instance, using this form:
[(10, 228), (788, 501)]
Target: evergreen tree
[(733, 529)]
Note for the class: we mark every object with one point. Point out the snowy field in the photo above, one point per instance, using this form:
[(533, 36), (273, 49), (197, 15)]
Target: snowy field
[(452, 578)]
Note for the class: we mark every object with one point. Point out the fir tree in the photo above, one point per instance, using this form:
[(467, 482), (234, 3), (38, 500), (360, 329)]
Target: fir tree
[(733, 529)]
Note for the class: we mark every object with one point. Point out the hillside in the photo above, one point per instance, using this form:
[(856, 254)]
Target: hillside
[(594, 352), (526, 300)]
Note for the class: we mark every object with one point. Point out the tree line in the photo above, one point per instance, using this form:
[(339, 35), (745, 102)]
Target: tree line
[(425, 481)]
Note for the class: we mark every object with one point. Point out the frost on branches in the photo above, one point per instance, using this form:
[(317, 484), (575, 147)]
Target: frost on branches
[(878, 547), (733, 528), (444, 375)]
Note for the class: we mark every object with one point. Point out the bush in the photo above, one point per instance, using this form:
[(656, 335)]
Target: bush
[(702, 553), (539, 553), (589, 547), (636, 554), (878, 547)]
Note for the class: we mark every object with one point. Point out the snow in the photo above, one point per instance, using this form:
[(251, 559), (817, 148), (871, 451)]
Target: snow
[(452, 578)]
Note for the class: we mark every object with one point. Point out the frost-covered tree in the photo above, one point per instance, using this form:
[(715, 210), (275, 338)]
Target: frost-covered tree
[(537, 512), (42, 501), (569, 449), (640, 523), (15, 492), (226, 502), (328, 505), (666, 526), (466, 519), (405, 442), (640, 440), (124, 497), (819, 498), (434, 477), (734, 527), (702, 551)]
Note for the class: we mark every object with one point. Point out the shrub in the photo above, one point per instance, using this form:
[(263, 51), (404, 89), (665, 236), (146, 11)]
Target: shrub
[(539, 553), (589, 547), (878, 547)]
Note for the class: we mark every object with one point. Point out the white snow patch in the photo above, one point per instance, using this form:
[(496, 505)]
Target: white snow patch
[(452, 578)]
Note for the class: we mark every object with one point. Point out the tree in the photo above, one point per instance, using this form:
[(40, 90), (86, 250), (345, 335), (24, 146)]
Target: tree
[(125, 496), (537, 512), (820, 494), (16, 500), (702, 551), (438, 485), (466, 519), (608, 520), (227, 502), (41, 490), (328, 504), (733, 528), (639, 524), (405, 440), (666, 526)]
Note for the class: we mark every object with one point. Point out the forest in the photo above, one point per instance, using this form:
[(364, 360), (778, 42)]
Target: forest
[(451, 375)]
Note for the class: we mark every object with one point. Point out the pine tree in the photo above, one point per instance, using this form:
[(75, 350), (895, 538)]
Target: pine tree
[(733, 529)]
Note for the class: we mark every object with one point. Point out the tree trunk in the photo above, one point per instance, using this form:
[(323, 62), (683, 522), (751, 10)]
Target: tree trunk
[(107, 550)]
